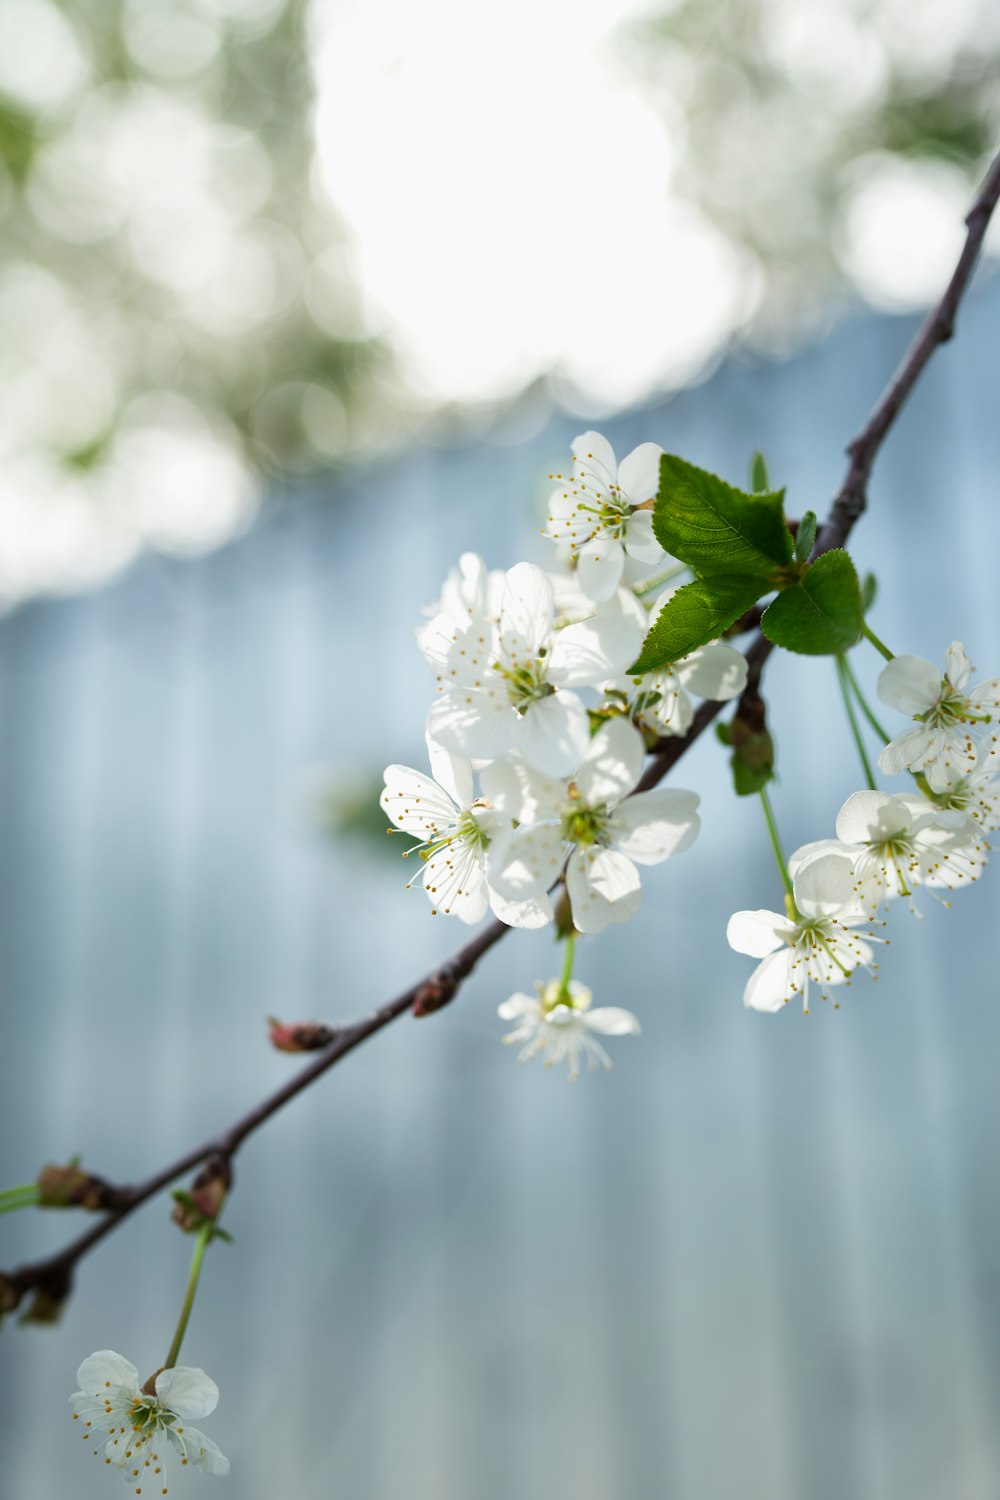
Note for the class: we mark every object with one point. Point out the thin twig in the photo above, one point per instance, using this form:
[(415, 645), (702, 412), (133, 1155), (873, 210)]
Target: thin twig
[(441, 986)]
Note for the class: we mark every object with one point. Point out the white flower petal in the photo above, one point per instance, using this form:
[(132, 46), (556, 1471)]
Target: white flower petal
[(455, 882), (612, 765), (911, 748), (416, 804), (910, 684), (452, 772), (527, 611), (530, 915), (468, 649), (596, 453), (106, 1368), (985, 699), (553, 733), (639, 541), (610, 1020), (198, 1449), (716, 672), (526, 861), (474, 723), (599, 567), (771, 985), (592, 650), (868, 817), (522, 791), (757, 933), (189, 1393), (807, 852), (519, 1005), (651, 826), (824, 887), (957, 666), (603, 887), (639, 473)]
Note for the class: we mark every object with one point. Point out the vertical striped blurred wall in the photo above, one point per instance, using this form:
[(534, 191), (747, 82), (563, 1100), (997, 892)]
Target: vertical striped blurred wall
[(761, 1258)]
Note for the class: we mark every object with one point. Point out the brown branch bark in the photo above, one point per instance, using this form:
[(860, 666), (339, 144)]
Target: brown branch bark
[(53, 1275)]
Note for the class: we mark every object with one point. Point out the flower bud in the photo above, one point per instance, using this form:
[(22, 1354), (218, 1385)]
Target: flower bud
[(299, 1036), (72, 1187), (204, 1201)]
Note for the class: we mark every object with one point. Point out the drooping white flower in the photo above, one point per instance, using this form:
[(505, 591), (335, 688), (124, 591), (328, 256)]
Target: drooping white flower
[(975, 793), (558, 1025), (454, 830), (897, 844), (815, 945), (945, 712), (589, 823), (508, 686), (135, 1430), (594, 511)]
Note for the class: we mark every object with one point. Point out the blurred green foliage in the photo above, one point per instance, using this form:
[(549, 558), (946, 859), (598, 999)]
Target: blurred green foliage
[(786, 114)]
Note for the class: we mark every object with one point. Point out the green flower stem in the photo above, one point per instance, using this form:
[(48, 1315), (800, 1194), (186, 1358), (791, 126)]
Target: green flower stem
[(204, 1235), (567, 968), (667, 576), (863, 702), (880, 646), (779, 856), (845, 690), (25, 1196)]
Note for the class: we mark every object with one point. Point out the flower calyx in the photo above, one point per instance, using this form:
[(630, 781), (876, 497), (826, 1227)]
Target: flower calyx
[(201, 1206)]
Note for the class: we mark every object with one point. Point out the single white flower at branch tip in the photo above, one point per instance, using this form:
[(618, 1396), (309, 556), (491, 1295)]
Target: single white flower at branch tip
[(136, 1430), (814, 943), (454, 830), (599, 511), (946, 713), (558, 1025), (591, 825)]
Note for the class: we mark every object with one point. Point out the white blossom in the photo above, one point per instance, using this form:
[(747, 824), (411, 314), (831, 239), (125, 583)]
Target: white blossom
[(815, 943), (945, 713), (591, 825), (557, 1024), (509, 686), (595, 511), (454, 830), (134, 1430), (976, 792), (899, 843)]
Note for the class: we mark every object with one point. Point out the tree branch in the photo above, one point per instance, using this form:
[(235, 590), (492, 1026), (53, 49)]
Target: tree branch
[(53, 1276)]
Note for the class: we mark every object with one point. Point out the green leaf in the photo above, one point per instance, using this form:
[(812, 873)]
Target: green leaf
[(698, 613), (820, 615), (806, 538), (715, 528), (869, 588), (759, 482)]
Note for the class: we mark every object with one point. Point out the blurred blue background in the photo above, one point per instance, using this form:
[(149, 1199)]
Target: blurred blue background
[(761, 1257)]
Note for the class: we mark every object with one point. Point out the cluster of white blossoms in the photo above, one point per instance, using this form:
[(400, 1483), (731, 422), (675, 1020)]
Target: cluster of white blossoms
[(135, 1429), (887, 845), (537, 734)]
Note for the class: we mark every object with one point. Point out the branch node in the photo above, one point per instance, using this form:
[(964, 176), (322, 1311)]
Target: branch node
[(437, 991)]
